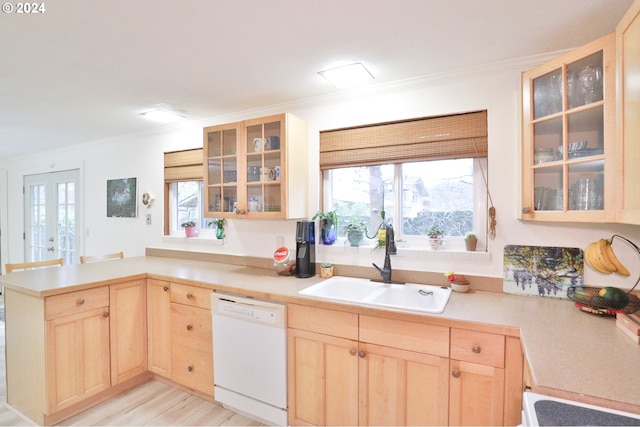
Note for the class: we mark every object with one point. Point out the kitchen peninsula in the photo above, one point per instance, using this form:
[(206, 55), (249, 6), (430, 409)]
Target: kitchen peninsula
[(568, 353)]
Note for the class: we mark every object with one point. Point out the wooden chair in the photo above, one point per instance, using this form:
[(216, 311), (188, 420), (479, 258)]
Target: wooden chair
[(30, 265), (85, 259)]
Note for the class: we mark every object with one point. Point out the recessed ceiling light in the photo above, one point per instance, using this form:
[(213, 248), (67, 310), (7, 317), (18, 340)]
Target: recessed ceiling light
[(347, 75), (163, 116)]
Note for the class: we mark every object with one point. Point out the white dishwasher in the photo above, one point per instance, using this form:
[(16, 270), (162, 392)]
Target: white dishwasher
[(250, 356)]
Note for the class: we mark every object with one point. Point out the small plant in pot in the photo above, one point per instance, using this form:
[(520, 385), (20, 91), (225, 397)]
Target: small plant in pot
[(219, 223), (436, 237), (189, 228), (355, 231), (470, 241), (326, 270), (328, 224)]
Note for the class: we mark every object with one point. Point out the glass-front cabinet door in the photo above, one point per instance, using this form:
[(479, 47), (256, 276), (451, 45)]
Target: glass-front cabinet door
[(221, 169), (569, 136), (264, 145)]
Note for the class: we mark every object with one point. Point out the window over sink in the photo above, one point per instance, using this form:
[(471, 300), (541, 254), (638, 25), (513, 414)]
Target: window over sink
[(425, 173)]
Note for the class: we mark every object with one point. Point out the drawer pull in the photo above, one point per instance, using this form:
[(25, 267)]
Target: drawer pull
[(362, 354), (80, 301), (352, 352), (455, 373), (189, 296), (165, 288), (105, 314), (189, 327), (476, 349), (190, 368)]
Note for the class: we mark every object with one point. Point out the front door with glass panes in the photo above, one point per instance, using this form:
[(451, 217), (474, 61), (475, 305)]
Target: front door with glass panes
[(51, 213), (568, 128)]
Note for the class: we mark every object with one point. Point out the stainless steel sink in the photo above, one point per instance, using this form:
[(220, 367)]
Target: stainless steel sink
[(410, 296)]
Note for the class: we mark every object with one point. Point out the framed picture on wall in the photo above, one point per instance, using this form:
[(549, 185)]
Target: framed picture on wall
[(121, 198)]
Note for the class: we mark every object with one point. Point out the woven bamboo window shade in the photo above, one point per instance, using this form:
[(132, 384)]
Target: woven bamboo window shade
[(184, 165), (431, 138)]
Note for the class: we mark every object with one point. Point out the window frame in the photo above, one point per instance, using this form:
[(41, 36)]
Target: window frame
[(480, 208)]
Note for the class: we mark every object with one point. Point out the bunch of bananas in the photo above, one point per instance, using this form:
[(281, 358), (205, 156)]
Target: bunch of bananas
[(599, 256)]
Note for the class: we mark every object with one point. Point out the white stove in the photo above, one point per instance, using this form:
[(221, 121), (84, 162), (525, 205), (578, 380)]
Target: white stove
[(540, 410)]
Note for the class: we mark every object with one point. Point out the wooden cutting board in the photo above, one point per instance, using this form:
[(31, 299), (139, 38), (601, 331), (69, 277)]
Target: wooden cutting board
[(630, 325)]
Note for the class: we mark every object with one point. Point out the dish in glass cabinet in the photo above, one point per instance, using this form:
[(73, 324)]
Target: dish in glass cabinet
[(585, 152)]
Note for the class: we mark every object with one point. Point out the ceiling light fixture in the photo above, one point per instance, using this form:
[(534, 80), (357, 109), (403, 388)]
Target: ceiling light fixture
[(349, 75), (163, 116)]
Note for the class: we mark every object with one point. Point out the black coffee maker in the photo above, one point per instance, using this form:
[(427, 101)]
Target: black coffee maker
[(305, 249)]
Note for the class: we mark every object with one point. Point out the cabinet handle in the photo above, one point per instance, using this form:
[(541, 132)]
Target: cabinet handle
[(526, 210), (362, 354), (105, 314), (189, 327), (80, 301), (165, 288), (455, 373), (240, 211), (352, 352), (476, 349), (189, 296), (190, 368)]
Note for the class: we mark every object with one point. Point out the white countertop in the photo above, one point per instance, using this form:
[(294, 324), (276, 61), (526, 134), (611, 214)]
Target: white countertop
[(568, 350)]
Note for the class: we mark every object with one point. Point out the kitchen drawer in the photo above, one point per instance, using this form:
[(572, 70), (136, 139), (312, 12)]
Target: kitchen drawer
[(192, 368), (477, 347), (191, 326), (323, 321), (191, 295), (75, 302), (419, 337)]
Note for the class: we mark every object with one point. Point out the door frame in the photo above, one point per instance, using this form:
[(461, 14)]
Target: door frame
[(77, 177)]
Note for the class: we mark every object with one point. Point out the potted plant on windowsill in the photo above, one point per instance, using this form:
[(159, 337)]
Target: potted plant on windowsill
[(326, 270), (189, 228), (355, 231), (436, 237), (328, 224), (471, 241), (219, 223)]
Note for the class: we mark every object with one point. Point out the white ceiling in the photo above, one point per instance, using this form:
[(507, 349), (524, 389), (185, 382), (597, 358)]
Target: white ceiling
[(84, 70)]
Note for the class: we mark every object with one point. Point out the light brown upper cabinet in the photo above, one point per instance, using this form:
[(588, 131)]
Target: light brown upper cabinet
[(257, 168), (581, 142), (569, 143), (628, 50)]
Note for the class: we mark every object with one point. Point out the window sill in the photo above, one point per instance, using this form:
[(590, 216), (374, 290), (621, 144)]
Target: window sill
[(204, 239), (418, 253)]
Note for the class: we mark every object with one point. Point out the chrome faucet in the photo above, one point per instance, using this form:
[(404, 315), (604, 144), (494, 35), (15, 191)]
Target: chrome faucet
[(389, 249)]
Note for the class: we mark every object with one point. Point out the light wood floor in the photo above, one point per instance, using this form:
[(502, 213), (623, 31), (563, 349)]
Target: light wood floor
[(152, 404)]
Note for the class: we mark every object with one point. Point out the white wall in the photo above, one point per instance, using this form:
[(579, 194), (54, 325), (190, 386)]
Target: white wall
[(141, 156)]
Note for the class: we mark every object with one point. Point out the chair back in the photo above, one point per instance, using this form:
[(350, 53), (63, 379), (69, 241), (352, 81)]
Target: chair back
[(29, 265), (85, 259)]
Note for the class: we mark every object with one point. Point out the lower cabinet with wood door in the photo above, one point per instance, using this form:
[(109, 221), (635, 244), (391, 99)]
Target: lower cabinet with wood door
[(66, 352), (128, 326), (77, 352), (159, 327), (322, 366), (350, 369), (486, 378)]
